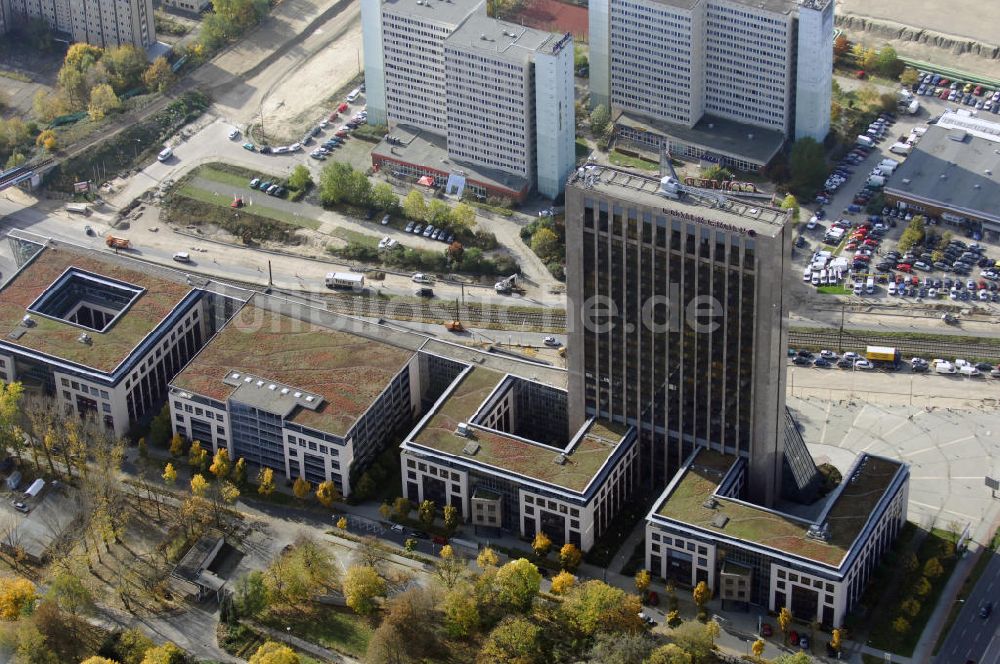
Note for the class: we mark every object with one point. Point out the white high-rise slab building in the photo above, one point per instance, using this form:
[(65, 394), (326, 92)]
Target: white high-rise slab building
[(104, 23), (499, 95), (764, 64)]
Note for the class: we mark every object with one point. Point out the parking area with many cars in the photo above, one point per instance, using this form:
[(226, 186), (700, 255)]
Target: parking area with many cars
[(857, 361)]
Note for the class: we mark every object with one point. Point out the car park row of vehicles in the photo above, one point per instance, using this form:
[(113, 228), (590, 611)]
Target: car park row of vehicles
[(970, 94), (268, 187), (888, 359), (430, 232)]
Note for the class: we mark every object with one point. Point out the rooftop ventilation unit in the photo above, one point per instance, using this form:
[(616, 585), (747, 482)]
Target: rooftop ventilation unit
[(560, 459), (272, 386), (284, 390), (248, 379), (720, 521), (84, 338), (310, 398), (462, 429), (28, 321), (820, 533), (235, 376), (471, 448), (711, 503), (297, 395)]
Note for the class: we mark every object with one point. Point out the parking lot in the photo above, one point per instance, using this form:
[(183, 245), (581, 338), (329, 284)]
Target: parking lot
[(846, 250)]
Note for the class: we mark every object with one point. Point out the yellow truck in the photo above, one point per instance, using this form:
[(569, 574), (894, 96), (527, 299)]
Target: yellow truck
[(882, 354)]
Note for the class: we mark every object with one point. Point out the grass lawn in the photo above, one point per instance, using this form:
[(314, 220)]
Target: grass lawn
[(333, 627), (222, 177), (198, 194), (883, 636), (835, 289), (353, 236), (625, 161)]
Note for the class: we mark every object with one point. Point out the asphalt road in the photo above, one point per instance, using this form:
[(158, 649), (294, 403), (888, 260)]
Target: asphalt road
[(972, 638)]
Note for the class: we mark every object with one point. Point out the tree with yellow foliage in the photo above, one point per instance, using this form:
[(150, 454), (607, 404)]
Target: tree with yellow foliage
[(220, 463), (169, 474), (570, 557), (301, 488), (757, 648), (197, 456), (103, 100), (265, 482), (168, 653), (176, 445), (342, 523), (642, 580), (327, 494), (274, 653), (562, 583), (16, 594), (541, 544), (98, 660), (487, 558), (199, 485)]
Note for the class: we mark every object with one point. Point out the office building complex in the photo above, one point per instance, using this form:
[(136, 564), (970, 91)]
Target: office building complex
[(676, 327), (676, 72), (816, 565), (104, 23), (495, 446), (102, 337), (471, 101)]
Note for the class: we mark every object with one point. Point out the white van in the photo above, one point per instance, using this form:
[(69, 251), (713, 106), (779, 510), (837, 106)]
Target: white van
[(353, 95), (858, 288), (870, 286), (945, 368), (165, 153), (824, 277), (182, 257), (968, 370), (807, 273), (815, 279), (892, 288)]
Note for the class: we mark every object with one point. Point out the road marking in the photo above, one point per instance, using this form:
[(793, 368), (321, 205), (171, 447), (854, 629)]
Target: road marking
[(938, 447), (826, 422)]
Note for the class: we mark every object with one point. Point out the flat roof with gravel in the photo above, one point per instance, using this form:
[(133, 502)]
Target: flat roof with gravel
[(571, 468), (849, 512), (499, 39), (346, 370), (156, 298)]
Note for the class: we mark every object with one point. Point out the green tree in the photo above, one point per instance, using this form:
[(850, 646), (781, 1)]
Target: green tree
[(791, 203), (545, 243), (126, 64), (414, 206), (795, 658), (250, 597), (70, 594), (599, 119), (462, 216), (887, 62), (11, 436), (909, 77), (437, 212), (362, 585), (695, 639), (516, 640), (541, 545), (622, 648), (159, 76), (594, 606), (240, 473), (808, 167), (517, 584), (717, 173), (461, 611), (402, 507), (132, 646), (451, 518), (570, 557), (933, 568), (176, 445), (271, 652), (300, 179), (910, 606), (103, 100), (922, 587), (340, 183), (901, 625), (384, 198), (297, 575), (669, 654)]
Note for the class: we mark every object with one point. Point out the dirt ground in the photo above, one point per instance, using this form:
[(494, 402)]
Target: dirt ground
[(963, 18)]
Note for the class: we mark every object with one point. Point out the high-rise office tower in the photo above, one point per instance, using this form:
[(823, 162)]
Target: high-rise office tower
[(677, 322), (104, 23)]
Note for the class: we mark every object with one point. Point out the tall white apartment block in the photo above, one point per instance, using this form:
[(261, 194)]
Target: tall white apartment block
[(371, 35), (676, 60), (813, 91), (501, 95), (104, 23), (412, 34), (555, 116)]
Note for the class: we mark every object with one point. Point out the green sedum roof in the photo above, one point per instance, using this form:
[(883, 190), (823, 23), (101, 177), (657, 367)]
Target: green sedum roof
[(846, 518), (58, 338), (348, 371), (510, 453)]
